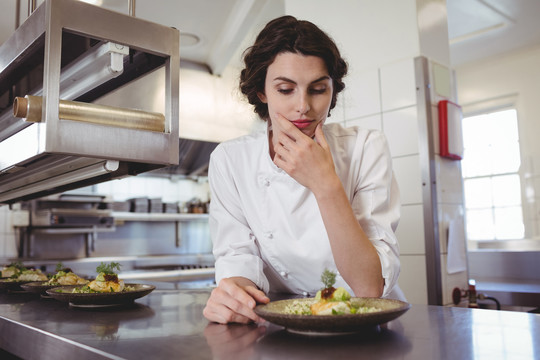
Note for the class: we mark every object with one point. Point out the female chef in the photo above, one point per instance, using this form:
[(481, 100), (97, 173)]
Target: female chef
[(300, 196)]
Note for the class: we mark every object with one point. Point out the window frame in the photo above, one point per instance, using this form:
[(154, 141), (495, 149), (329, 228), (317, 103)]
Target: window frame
[(508, 102)]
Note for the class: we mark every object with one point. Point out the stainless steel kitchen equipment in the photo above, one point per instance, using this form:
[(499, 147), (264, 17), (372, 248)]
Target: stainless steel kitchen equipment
[(67, 42), (63, 214), (71, 211)]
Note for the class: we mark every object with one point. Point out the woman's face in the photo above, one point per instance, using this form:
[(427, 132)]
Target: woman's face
[(298, 88)]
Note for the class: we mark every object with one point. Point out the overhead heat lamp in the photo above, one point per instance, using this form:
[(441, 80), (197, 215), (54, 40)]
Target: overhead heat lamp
[(95, 67)]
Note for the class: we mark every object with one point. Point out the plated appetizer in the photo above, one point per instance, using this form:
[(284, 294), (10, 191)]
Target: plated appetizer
[(328, 301), (106, 281), (13, 269), (331, 312), (65, 276), (105, 290), (19, 275), (28, 275)]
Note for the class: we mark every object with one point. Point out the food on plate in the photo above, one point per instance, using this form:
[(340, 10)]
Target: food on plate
[(29, 275), (328, 301), (13, 269), (65, 276), (106, 281)]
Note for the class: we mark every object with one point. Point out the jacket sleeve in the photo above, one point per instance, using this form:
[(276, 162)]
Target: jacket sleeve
[(235, 247), (376, 204)]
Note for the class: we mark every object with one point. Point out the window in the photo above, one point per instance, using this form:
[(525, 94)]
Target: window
[(490, 166)]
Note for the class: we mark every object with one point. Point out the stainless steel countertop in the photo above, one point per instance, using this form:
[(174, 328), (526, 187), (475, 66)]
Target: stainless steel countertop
[(168, 323)]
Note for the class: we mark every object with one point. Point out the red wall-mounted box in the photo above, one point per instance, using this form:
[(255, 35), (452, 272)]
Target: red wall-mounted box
[(450, 133)]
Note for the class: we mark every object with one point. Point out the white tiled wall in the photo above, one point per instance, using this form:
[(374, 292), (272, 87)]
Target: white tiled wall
[(410, 231), (398, 86), (412, 279), (385, 99), (401, 129), (362, 97), (368, 122), (407, 171), (8, 246)]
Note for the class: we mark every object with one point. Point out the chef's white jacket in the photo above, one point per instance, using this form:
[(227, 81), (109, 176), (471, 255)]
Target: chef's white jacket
[(267, 227)]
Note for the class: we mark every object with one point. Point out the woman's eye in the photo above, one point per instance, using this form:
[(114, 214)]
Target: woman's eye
[(318, 90), (285, 91)]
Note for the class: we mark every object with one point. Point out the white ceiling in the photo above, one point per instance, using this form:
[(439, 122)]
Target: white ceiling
[(478, 29)]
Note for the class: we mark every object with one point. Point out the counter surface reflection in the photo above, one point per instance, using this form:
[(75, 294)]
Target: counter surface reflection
[(168, 323)]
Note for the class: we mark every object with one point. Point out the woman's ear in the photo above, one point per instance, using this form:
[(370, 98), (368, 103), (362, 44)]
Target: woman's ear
[(262, 97)]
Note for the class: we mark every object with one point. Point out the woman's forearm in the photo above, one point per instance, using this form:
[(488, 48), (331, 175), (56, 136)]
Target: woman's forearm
[(354, 254)]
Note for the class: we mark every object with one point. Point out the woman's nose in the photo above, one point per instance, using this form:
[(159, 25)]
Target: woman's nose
[(303, 104)]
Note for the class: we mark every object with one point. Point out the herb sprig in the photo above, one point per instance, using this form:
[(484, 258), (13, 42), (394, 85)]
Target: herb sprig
[(108, 268), (18, 265), (328, 278)]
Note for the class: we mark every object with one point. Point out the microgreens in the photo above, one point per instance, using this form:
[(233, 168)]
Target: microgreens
[(108, 268), (328, 278)]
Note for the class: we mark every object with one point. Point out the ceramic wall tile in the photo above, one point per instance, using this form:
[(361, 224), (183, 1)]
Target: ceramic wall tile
[(368, 122), (401, 129), (408, 176), (413, 279), (337, 114), (398, 85), (362, 94), (410, 231), (3, 218), (10, 246)]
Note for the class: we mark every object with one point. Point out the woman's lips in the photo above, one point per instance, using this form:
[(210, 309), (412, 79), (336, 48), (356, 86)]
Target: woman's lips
[(301, 124)]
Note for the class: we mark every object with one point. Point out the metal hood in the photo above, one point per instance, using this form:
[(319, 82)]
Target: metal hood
[(193, 162), (69, 50)]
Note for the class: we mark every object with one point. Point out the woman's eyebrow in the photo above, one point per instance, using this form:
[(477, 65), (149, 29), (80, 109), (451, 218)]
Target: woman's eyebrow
[(283, 78)]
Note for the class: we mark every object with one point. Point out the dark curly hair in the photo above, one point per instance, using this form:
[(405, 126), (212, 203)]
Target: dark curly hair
[(287, 34)]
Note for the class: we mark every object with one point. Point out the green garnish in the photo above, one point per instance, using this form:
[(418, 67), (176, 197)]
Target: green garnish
[(108, 269), (328, 278), (59, 266), (19, 265)]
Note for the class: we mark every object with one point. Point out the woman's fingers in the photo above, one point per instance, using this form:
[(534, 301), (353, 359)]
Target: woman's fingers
[(221, 314), (257, 294), (319, 137), (287, 128), (232, 303)]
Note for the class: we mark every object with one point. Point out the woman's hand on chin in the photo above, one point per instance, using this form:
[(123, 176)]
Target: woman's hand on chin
[(308, 161)]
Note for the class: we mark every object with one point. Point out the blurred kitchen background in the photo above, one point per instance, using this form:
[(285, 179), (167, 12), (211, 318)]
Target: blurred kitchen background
[(476, 219)]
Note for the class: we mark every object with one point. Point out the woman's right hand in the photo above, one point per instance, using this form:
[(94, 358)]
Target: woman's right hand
[(233, 301)]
